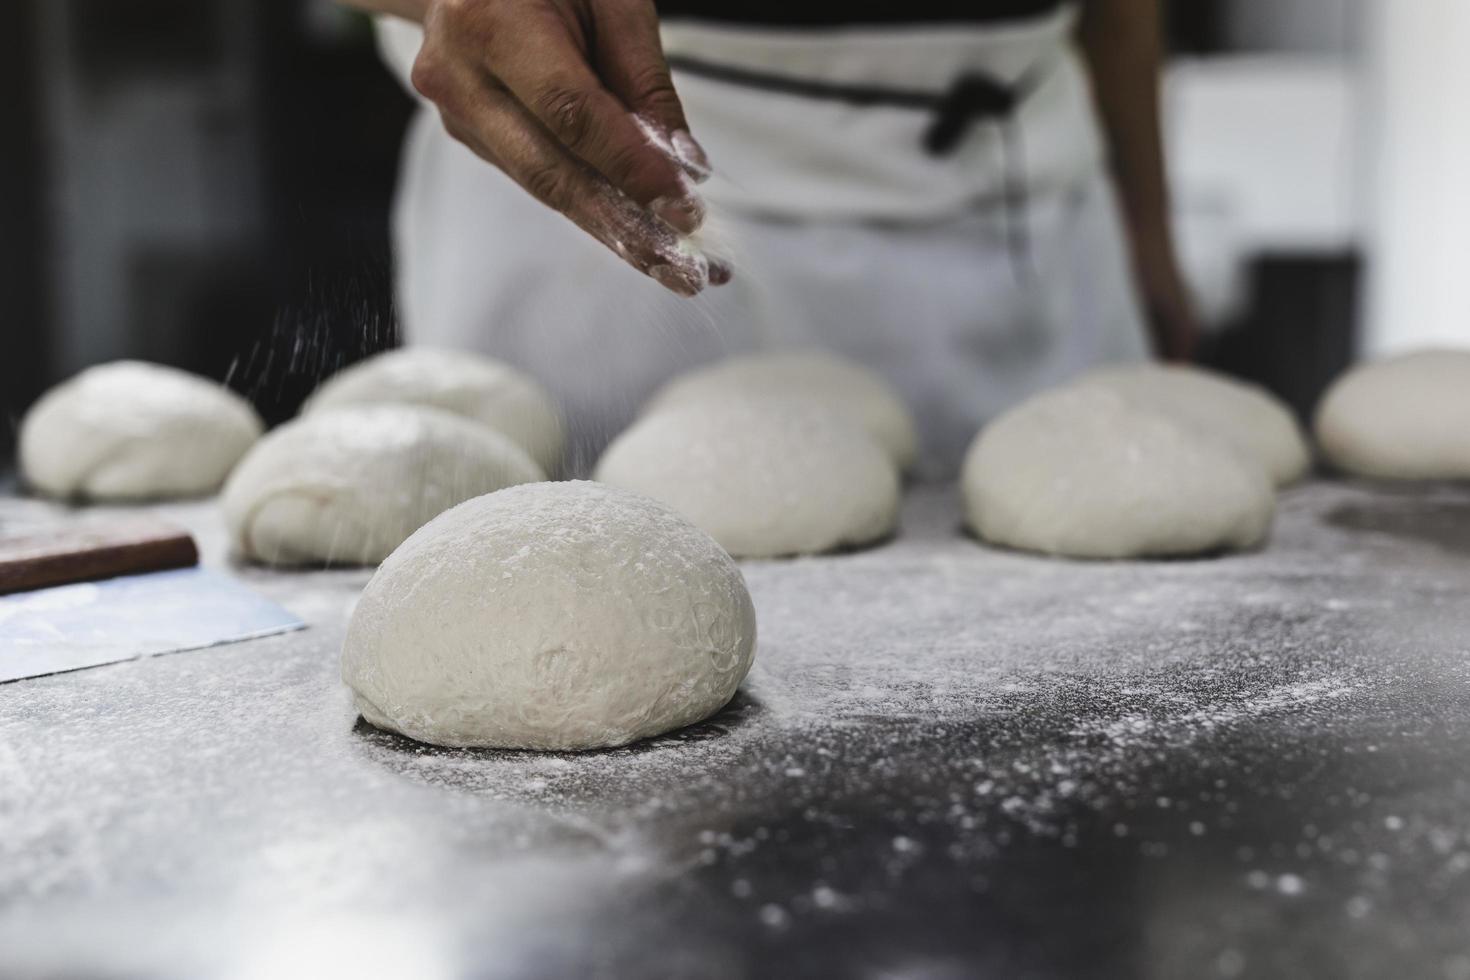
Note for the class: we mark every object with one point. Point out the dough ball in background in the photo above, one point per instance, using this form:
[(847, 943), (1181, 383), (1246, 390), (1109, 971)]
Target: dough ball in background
[(765, 478), (553, 616), (1083, 472), (347, 486), (825, 379), (1404, 418), (132, 431), (1244, 415), (478, 388)]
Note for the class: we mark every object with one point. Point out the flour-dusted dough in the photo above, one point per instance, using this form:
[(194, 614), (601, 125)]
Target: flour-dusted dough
[(129, 430), (1082, 472), (766, 478), (1244, 415), (479, 388), (347, 486), (1404, 418), (555, 616), (825, 379)]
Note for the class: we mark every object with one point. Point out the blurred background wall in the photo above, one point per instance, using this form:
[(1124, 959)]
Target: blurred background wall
[(1418, 197), (207, 183)]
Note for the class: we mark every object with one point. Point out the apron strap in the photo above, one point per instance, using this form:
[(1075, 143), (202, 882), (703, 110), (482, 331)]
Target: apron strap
[(973, 97)]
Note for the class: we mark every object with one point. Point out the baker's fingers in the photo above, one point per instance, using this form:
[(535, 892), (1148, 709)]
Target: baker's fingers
[(720, 272), (545, 69), (630, 59), (498, 128)]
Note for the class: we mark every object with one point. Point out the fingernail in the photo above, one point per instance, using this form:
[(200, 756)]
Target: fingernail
[(719, 273), (683, 214), (671, 279), (690, 155)]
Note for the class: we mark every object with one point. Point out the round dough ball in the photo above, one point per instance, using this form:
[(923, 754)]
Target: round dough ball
[(554, 616), (134, 431), (823, 378), (1083, 472), (1404, 418), (1243, 415), (764, 478), (347, 486), (478, 388)]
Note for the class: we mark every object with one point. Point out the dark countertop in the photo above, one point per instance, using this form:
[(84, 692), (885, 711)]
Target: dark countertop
[(949, 761)]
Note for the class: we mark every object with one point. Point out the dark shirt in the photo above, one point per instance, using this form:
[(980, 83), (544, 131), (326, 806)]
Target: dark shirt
[(832, 13)]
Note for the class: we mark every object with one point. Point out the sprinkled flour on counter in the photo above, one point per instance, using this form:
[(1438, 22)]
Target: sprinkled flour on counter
[(931, 728)]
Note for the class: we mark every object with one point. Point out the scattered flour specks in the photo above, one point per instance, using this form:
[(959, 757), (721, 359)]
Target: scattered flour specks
[(930, 723)]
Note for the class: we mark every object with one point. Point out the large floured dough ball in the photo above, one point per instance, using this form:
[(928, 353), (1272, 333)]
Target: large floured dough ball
[(764, 478), (554, 616), (345, 487), (1082, 472), (822, 378), (478, 388), (134, 431), (1244, 415), (1404, 418)]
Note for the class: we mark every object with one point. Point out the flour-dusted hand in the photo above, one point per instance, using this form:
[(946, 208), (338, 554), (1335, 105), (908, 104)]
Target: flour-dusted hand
[(573, 100)]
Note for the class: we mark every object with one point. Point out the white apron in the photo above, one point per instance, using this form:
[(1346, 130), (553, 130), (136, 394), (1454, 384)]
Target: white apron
[(846, 234)]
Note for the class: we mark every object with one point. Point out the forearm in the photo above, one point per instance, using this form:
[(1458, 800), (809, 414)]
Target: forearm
[(407, 9), (1123, 46), (1122, 42)]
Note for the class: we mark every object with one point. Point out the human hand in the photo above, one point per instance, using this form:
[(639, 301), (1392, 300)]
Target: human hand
[(573, 100)]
